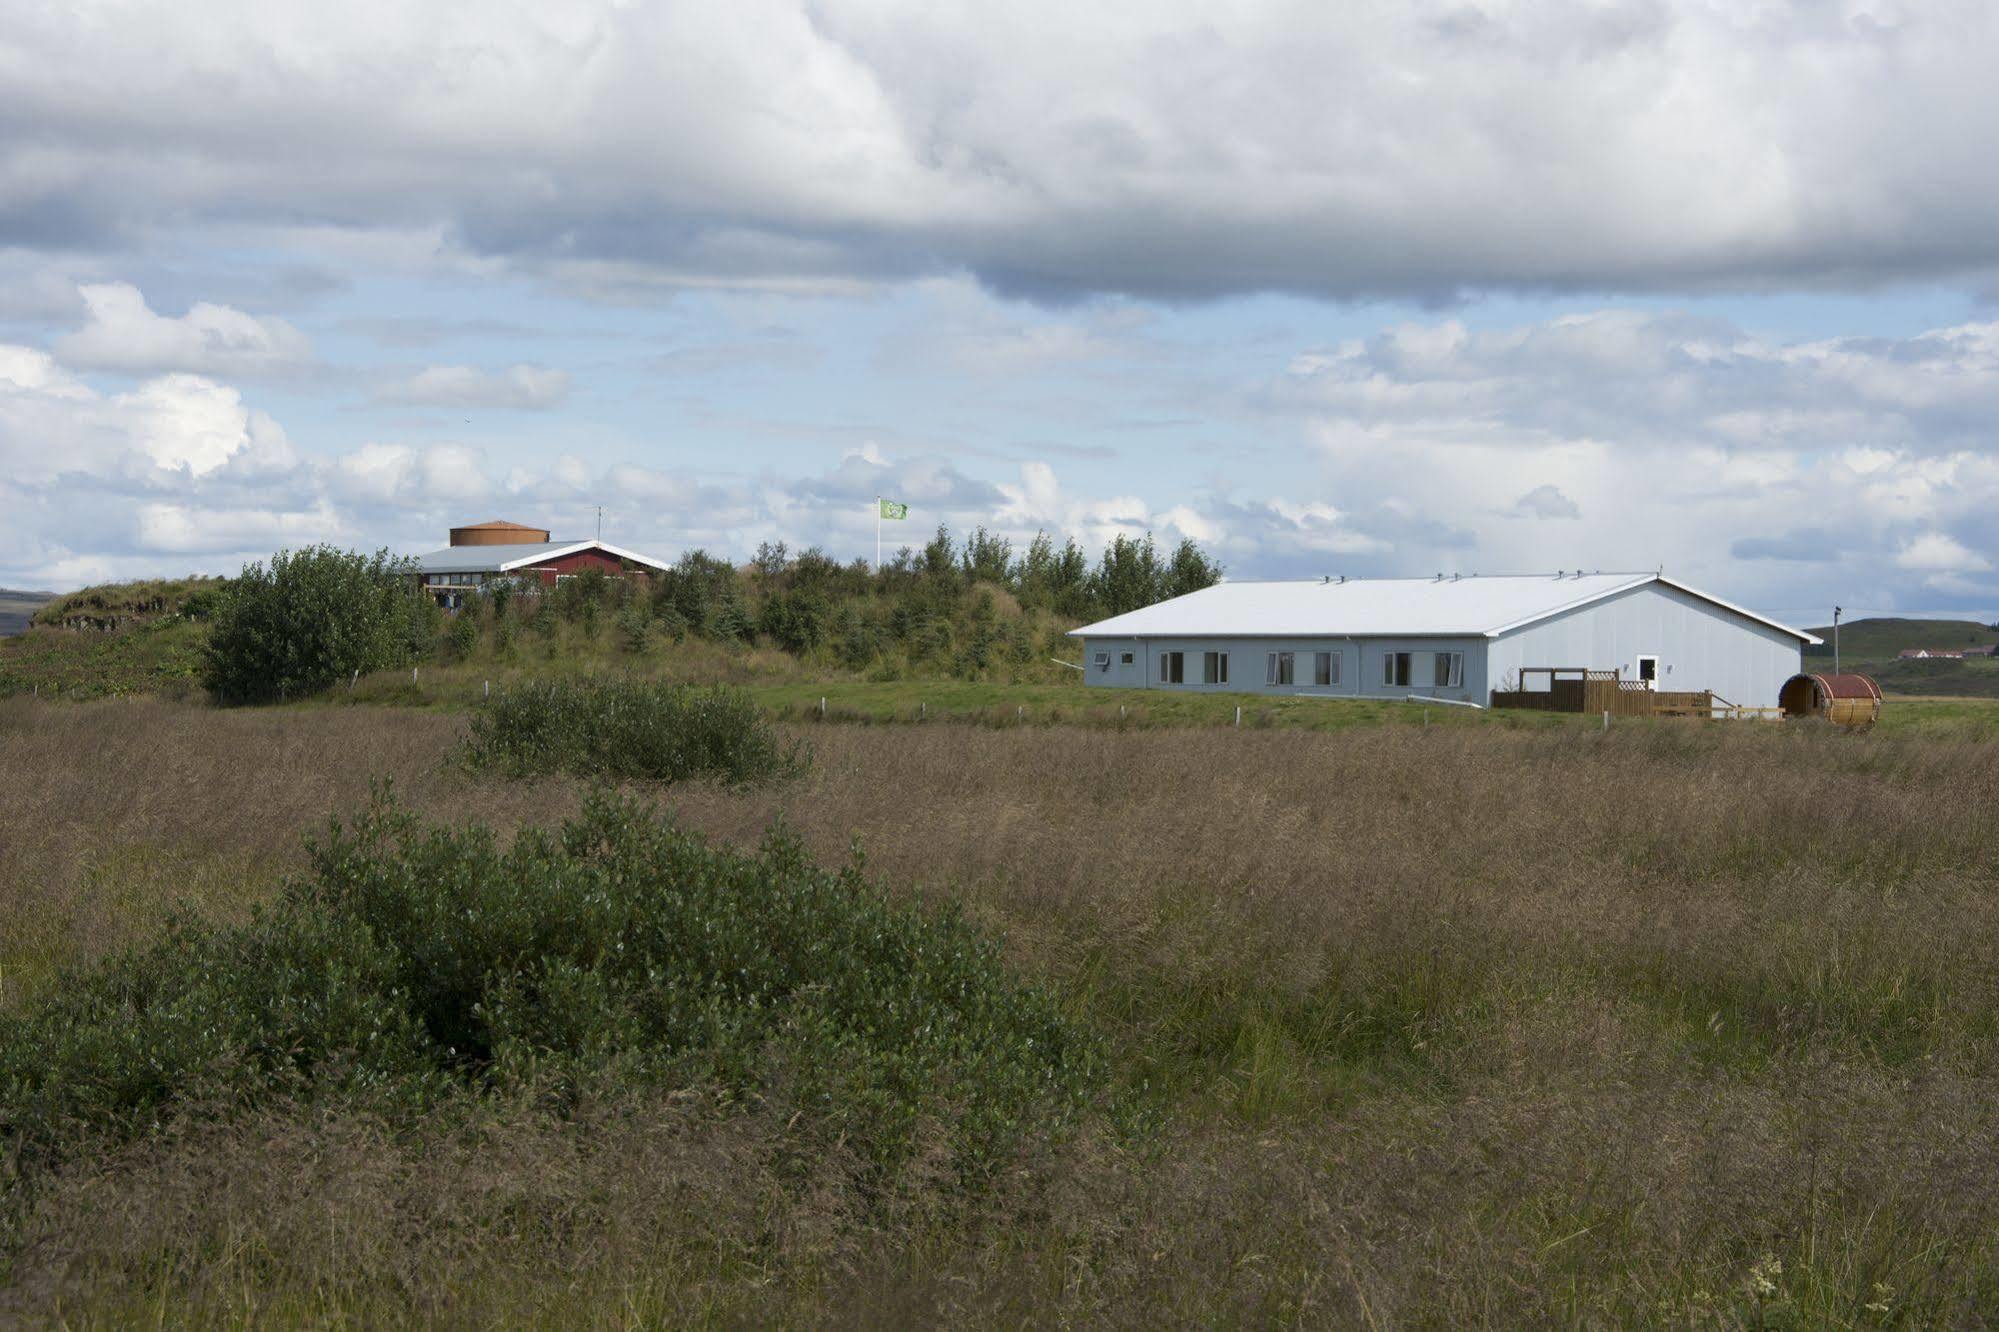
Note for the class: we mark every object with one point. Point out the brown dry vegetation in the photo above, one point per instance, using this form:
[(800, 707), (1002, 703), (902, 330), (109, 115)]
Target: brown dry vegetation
[(1685, 1025)]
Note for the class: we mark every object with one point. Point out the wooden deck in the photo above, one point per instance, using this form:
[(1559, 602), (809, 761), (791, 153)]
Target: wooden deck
[(1577, 689)]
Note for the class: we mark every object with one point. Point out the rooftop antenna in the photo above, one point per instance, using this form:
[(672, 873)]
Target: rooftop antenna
[(600, 522)]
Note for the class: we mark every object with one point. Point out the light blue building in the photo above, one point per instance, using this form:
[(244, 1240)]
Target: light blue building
[(1452, 637)]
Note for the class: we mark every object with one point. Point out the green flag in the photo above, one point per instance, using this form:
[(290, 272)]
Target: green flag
[(891, 509)]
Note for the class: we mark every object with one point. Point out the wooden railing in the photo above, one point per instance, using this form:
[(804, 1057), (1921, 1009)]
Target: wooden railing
[(1577, 689)]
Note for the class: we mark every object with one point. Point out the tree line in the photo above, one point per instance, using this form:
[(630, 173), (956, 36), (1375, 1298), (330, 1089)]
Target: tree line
[(310, 618)]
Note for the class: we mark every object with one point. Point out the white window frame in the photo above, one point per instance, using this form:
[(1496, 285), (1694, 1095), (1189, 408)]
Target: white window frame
[(1125, 658), (1638, 668), (1214, 667), (1280, 669), (1389, 661), (1330, 662), (1103, 661), (1451, 666), (1173, 668)]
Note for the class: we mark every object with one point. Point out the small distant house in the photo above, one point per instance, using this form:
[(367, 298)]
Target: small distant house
[(1449, 638), (1949, 654), (482, 553)]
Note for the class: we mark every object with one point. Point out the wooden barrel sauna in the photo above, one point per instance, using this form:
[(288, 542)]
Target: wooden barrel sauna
[(1844, 700)]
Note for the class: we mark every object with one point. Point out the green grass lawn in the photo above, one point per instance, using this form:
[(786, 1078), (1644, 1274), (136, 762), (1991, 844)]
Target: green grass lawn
[(940, 700), (907, 702)]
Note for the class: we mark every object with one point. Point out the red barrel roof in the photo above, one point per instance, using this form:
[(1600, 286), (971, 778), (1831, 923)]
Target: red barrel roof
[(1848, 685)]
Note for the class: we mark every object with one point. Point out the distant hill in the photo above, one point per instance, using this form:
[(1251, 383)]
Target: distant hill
[(17, 608), (1884, 639), (1873, 647)]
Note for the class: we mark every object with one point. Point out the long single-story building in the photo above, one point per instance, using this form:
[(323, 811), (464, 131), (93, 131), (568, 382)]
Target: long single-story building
[(483, 553), (1451, 637)]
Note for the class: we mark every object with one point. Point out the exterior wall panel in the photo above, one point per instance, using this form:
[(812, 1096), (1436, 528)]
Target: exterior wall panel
[(1360, 665), (1699, 645), (573, 563)]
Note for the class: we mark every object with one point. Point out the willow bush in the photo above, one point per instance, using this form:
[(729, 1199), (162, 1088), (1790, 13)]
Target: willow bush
[(419, 962), (631, 729)]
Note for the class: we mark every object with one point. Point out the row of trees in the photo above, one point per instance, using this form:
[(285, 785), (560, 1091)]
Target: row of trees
[(312, 617), (1131, 572)]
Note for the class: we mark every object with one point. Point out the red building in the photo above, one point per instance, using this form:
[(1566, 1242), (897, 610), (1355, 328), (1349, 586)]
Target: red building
[(484, 553)]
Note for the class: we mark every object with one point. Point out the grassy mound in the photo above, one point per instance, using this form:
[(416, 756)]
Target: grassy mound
[(629, 728), (417, 964)]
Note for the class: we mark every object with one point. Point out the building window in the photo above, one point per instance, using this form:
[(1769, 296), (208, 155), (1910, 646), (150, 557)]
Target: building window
[(1172, 667), (1648, 670), (1214, 668), (1124, 659), (1281, 668), (1450, 670), (1103, 660), (1325, 668), (1397, 668)]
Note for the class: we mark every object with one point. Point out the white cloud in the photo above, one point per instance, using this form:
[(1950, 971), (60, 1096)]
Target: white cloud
[(1938, 552), (52, 423), (187, 529), (399, 474), (519, 387), (122, 333), (1175, 148)]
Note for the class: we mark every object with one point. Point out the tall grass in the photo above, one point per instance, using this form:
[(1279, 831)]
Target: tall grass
[(629, 728), (1457, 1026)]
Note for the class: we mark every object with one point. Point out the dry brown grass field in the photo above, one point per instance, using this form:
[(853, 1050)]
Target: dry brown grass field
[(1674, 1025)]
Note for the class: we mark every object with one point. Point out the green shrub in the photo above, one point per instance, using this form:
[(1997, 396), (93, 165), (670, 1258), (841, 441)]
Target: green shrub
[(635, 627), (644, 729), (418, 962), (464, 632), (312, 617)]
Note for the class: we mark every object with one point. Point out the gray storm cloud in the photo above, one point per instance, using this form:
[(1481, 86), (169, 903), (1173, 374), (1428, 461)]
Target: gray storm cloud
[(1168, 150)]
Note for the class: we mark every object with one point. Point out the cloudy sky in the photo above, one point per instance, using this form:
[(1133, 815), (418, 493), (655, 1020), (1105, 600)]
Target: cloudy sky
[(1394, 287)]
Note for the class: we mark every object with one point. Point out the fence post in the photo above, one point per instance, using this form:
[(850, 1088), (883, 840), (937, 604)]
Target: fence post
[(1238, 716), (413, 675), (489, 689), (822, 707), (922, 711), (1120, 712), (356, 680), (1606, 720), (1020, 713)]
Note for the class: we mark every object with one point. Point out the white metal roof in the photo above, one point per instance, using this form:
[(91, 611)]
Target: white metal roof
[(501, 559), (1471, 605)]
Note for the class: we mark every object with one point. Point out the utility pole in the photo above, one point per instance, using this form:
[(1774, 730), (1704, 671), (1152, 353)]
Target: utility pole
[(1835, 640), (600, 522)]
